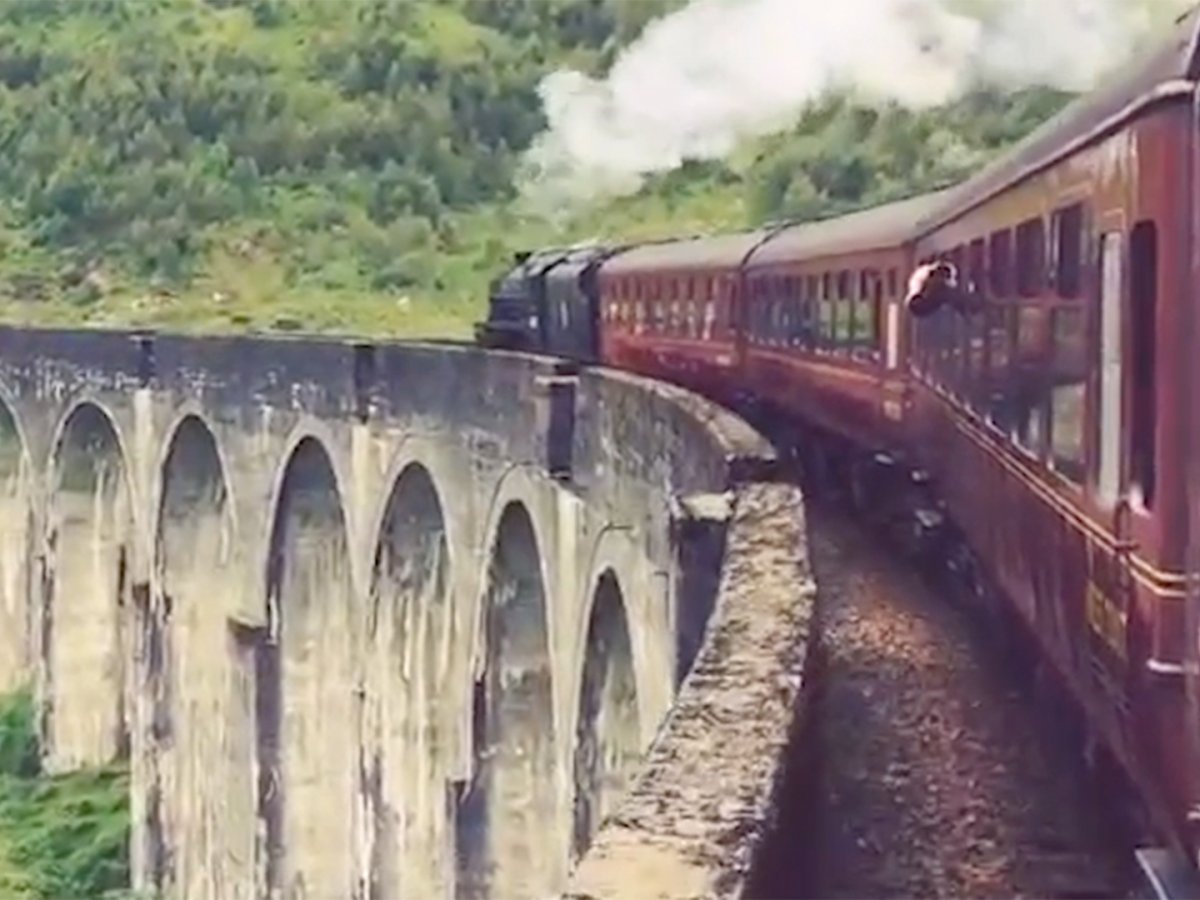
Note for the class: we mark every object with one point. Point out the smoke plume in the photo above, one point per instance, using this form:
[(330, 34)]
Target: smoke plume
[(699, 81)]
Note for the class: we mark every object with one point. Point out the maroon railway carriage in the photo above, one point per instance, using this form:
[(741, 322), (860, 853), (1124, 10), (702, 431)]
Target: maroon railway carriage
[(825, 336), (1053, 416), (1057, 410), (670, 309)]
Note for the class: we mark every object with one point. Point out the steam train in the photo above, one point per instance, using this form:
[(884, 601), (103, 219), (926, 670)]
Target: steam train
[(1045, 436)]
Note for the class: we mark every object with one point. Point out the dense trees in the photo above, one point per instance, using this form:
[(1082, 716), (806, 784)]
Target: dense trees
[(266, 163)]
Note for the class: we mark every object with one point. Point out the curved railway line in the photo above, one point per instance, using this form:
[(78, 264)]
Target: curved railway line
[(936, 758), (935, 771)]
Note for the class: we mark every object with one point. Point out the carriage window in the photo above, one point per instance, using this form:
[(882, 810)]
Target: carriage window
[(1068, 380), (892, 360), (958, 258), (874, 316), (860, 307), (1031, 257), (1108, 477), (764, 318), (1000, 263), (851, 309), (976, 264), (973, 370), (824, 311), (1143, 297), (844, 309), (763, 314), (1068, 237)]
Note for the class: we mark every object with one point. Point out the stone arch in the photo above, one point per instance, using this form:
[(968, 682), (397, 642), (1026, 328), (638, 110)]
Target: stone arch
[(507, 818), (190, 414), (607, 731), (310, 702), (410, 628), (196, 840), (84, 635), (645, 602), (16, 531), (308, 431)]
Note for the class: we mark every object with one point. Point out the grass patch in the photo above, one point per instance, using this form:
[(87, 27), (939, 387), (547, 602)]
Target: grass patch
[(61, 836)]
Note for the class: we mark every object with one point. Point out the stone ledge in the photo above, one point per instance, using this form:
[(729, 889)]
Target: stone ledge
[(705, 801)]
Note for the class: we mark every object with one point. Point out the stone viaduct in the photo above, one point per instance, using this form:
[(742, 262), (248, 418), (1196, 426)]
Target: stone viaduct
[(387, 620)]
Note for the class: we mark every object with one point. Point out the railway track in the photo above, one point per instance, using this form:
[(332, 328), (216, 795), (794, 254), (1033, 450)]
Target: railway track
[(931, 770)]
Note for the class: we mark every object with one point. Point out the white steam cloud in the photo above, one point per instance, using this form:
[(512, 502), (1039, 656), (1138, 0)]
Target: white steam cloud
[(716, 72)]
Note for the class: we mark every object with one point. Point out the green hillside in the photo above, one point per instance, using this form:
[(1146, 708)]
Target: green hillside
[(348, 166)]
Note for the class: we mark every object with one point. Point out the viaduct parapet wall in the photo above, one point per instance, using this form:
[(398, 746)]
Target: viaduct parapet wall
[(365, 620)]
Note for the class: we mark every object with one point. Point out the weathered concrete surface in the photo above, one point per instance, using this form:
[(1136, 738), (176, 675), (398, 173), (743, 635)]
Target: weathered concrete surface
[(697, 820), (15, 615), (369, 621)]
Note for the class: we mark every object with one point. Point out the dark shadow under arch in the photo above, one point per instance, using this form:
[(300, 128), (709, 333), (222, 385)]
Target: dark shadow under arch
[(607, 736), (308, 698), (83, 641), (410, 622), (196, 841), (505, 826)]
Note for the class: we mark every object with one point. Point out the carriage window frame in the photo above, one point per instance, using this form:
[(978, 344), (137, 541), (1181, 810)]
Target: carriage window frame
[(1000, 253), (977, 265), (1067, 394), (1068, 227), (1030, 241)]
